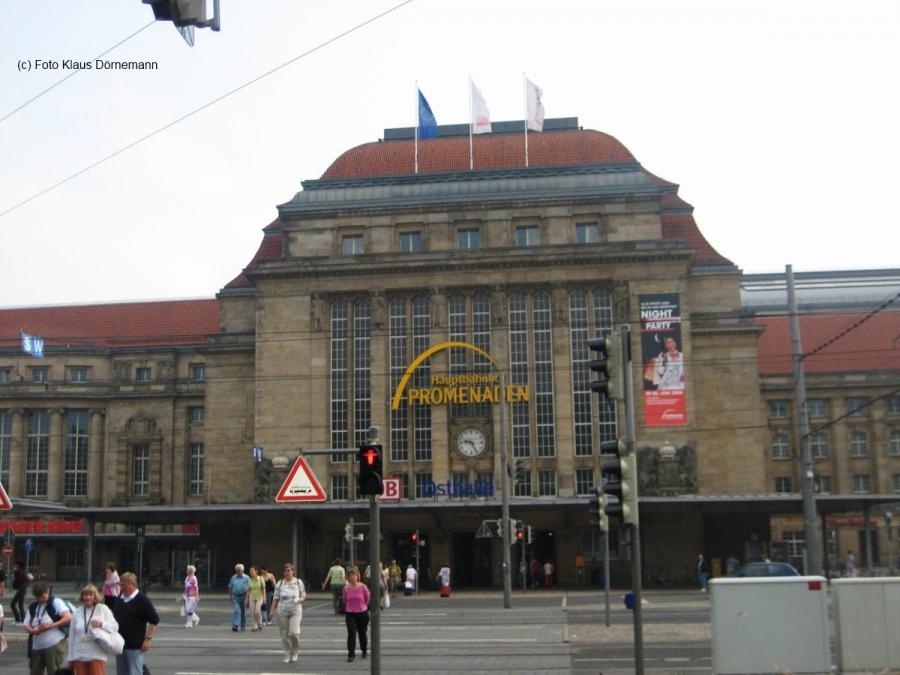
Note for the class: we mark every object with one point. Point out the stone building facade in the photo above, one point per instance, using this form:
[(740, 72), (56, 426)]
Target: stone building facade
[(195, 410)]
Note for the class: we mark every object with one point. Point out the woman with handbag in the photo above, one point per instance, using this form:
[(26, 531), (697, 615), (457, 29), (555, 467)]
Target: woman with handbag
[(92, 632)]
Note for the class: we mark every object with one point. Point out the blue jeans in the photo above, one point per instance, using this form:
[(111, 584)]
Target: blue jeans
[(130, 662), (239, 611)]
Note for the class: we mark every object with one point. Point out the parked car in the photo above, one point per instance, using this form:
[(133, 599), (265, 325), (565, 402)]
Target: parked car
[(766, 569)]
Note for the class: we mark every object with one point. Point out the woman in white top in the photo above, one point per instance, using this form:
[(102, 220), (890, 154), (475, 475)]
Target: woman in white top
[(86, 655), (289, 593)]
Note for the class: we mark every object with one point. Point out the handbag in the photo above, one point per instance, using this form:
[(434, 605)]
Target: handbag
[(112, 643)]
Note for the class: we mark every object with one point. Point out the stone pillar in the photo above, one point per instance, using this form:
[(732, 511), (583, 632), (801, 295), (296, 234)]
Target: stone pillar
[(55, 461), (16, 485), (97, 459)]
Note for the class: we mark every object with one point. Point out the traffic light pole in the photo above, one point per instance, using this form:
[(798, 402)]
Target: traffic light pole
[(375, 589), (630, 438), (504, 507)]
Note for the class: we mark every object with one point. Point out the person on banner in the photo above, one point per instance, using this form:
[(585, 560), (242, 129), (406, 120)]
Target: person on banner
[(138, 620), (666, 370), (86, 656), (45, 623)]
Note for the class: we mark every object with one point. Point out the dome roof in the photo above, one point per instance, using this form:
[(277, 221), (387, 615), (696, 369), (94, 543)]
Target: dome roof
[(570, 147)]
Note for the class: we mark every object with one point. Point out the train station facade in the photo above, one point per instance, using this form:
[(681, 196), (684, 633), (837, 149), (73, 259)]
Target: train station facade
[(446, 298)]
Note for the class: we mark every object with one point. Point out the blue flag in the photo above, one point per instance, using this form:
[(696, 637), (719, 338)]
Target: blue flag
[(427, 123), (32, 344)]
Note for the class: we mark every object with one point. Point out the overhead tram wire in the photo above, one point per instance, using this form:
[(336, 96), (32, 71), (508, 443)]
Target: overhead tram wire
[(209, 104), (72, 74), (852, 327)]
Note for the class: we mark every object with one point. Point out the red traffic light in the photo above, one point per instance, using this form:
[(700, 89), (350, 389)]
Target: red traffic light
[(370, 456), (415, 536)]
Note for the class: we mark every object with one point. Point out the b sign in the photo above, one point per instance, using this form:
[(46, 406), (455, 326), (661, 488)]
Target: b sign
[(391, 490)]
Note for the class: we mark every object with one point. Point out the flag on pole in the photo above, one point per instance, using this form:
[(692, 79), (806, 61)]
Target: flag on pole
[(481, 116), (32, 344), (534, 108), (427, 123)]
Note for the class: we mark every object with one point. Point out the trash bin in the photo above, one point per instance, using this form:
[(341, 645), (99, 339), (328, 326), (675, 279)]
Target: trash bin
[(629, 601)]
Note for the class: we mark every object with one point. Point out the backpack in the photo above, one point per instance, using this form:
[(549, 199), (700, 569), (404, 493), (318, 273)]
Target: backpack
[(51, 611)]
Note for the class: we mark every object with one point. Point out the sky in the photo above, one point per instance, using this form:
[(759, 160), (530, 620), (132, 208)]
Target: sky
[(778, 120)]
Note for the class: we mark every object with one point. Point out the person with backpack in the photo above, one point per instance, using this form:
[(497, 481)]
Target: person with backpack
[(47, 624)]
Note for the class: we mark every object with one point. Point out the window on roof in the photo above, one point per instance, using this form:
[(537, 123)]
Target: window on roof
[(352, 244), (469, 239), (528, 235), (410, 242), (587, 233)]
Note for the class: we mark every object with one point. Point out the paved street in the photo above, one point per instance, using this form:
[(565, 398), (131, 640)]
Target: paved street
[(543, 632)]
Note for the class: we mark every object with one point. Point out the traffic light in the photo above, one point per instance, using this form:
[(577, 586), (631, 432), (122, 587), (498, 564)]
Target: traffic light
[(598, 509), (520, 530), (414, 537), (519, 472), (529, 534), (370, 482), (622, 483), (348, 531), (607, 382), (184, 12)]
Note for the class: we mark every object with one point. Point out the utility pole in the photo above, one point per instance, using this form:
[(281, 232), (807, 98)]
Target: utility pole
[(811, 560)]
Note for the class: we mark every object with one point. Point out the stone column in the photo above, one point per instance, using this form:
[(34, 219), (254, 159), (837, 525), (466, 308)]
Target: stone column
[(97, 458), (55, 461), (16, 485)]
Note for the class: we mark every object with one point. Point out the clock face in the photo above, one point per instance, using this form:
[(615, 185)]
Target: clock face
[(470, 442)]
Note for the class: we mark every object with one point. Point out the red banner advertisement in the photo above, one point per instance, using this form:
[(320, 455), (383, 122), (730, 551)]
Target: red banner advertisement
[(663, 361)]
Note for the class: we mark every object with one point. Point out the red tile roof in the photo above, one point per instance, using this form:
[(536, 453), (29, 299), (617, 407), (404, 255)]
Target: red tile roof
[(491, 151), (133, 324), (871, 347), (271, 248)]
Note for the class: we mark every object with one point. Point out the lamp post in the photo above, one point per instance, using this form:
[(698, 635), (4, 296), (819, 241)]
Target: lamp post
[(889, 525)]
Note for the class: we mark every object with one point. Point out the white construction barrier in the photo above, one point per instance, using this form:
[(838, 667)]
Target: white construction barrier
[(867, 624), (770, 625)]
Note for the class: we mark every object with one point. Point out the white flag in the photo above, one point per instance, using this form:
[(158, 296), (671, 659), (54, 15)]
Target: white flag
[(535, 109), (481, 116)]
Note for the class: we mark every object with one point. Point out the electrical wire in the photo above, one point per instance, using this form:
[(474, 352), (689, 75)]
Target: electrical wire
[(203, 107), (72, 74)]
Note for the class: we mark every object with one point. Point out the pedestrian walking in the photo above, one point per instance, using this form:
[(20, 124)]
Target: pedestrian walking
[(191, 597), (335, 579), (111, 586), (850, 564), (287, 607), (86, 656), (409, 586), (702, 573), (548, 574), (20, 586), (444, 577), (257, 595), (270, 594), (237, 593), (137, 620), (394, 574), (356, 615), (45, 623)]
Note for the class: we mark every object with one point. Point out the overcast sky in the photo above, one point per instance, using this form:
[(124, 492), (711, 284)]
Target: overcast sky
[(779, 120)]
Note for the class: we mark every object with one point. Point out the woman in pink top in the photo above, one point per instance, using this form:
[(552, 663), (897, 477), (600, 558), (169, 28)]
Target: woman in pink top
[(111, 587), (356, 614)]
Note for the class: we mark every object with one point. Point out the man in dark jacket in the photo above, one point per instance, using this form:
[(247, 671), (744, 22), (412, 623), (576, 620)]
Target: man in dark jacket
[(138, 620), (20, 585)]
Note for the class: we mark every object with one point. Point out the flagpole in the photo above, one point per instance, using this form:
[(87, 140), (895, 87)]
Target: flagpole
[(525, 94), (416, 143), (471, 125)]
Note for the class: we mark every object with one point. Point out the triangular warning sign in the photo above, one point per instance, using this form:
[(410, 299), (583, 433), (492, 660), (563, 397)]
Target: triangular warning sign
[(5, 504), (301, 485)]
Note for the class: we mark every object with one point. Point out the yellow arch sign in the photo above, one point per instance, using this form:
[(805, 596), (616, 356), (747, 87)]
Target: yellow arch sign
[(427, 354)]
